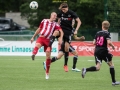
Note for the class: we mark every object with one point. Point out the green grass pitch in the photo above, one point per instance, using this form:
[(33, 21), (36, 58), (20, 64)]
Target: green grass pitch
[(21, 73)]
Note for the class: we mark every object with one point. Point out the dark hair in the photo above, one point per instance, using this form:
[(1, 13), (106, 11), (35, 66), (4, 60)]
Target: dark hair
[(63, 5)]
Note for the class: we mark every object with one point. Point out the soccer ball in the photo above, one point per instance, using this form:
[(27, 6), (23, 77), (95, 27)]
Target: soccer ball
[(33, 5)]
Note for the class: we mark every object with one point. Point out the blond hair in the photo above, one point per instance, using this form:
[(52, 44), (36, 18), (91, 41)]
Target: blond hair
[(105, 24), (62, 5)]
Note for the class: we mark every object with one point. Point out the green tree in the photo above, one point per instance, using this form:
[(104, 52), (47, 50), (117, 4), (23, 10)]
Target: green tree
[(11, 5), (114, 15), (91, 13), (35, 16)]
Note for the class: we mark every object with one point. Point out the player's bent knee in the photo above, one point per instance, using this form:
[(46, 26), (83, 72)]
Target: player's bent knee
[(111, 64), (48, 55), (58, 58), (76, 56), (66, 49), (75, 53), (97, 68), (38, 45)]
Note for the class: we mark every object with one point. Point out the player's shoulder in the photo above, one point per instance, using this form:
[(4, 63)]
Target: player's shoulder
[(71, 12), (103, 31), (106, 32), (56, 23)]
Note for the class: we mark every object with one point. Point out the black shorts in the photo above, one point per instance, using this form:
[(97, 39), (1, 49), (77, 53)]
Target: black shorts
[(71, 49), (107, 57), (67, 38)]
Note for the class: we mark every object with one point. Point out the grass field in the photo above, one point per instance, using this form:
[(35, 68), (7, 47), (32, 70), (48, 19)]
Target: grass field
[(21, 73)]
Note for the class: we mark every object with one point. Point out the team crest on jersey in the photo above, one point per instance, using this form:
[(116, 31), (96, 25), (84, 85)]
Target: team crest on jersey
[(69, 15)]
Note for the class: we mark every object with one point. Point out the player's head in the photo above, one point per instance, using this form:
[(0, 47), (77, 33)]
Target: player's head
[(53, 16), (63, 7), (105, 25)]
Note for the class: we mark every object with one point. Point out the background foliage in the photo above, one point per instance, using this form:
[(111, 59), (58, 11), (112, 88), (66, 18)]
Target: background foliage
[(91, 13)]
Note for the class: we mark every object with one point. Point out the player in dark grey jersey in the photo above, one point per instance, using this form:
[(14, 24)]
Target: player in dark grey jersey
[(62, 52), (102, 39), (65, 17)]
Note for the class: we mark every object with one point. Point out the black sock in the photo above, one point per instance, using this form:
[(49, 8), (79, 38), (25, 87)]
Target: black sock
[(93, 68), (112, 72), (74, 61), (54, 59), (52, 39), (66, 58)]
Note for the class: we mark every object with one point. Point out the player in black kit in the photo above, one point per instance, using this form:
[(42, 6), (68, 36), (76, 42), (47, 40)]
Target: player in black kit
[(65, 18), (102, 38)]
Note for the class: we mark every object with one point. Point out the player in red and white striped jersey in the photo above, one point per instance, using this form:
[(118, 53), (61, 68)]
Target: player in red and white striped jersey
[(45, 30)]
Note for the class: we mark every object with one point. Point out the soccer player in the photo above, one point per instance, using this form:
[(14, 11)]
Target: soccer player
[(65, 18), (71, 50), (62, 51), (45, 30), (102, 38)]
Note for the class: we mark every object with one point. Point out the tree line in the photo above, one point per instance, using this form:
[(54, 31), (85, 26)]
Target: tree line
[(91, 13)]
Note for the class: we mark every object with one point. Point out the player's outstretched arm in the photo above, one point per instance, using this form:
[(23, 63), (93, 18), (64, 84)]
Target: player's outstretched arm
[(78, 25), (110, 43), (82, 38), (94, 42), (61, 36), (35, 34)]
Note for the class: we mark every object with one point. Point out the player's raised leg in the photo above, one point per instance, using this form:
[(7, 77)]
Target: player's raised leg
[(56, 34), (38, 43), (92, 68), (60, 54), (35, 50)]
